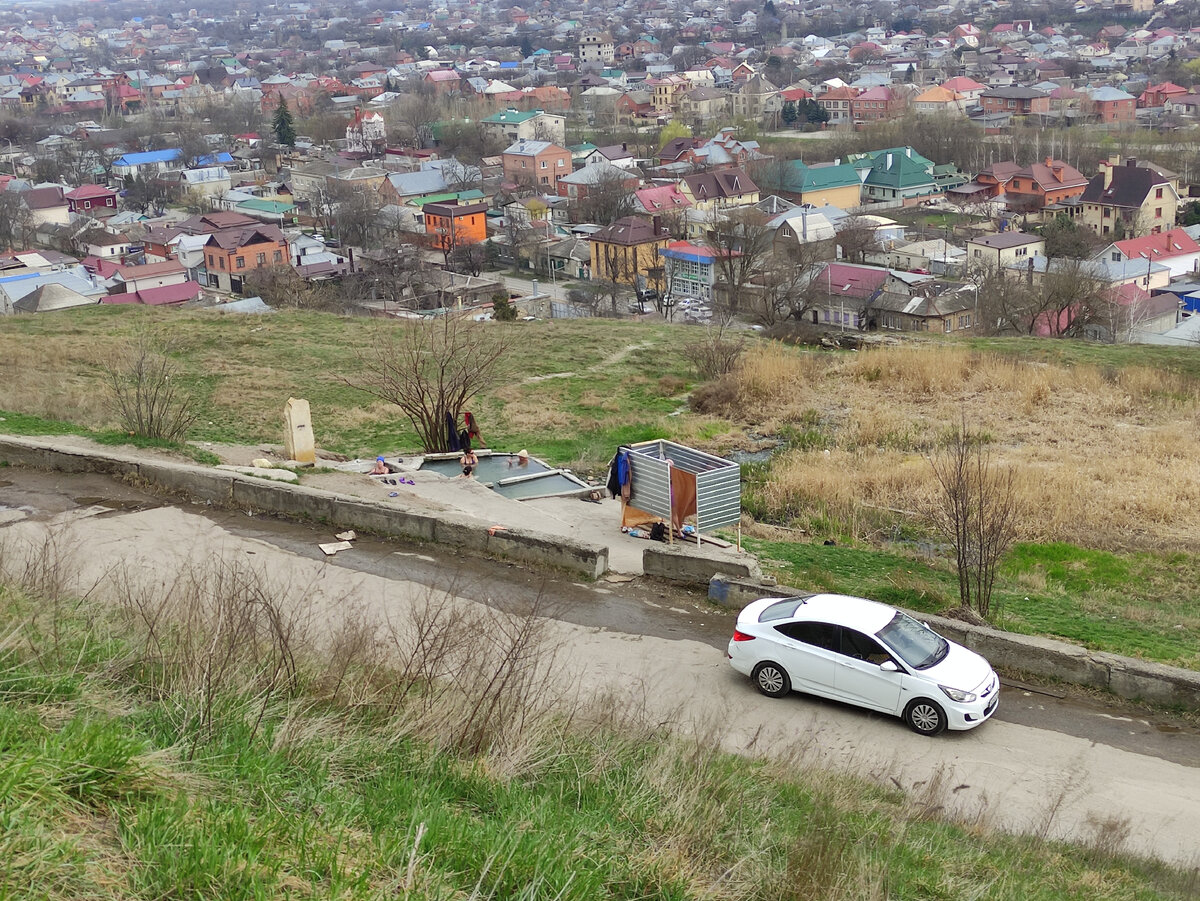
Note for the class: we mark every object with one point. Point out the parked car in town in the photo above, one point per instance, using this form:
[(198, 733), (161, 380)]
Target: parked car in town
[(863, 653)]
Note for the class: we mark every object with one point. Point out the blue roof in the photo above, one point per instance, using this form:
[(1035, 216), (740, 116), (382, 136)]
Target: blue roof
[(214, 158), (507, 65), (148, 157)]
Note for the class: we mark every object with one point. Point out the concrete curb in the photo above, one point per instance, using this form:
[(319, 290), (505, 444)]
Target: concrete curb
[(232, 489), (1125, 677)]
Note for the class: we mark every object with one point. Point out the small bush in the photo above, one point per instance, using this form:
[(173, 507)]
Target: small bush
[(670, 385), (716, 352), (144, 389)]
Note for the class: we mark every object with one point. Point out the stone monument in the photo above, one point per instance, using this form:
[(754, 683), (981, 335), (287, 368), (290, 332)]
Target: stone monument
[(299, 442)]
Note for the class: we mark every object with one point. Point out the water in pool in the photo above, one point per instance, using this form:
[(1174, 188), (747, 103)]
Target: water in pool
[(491, 468)]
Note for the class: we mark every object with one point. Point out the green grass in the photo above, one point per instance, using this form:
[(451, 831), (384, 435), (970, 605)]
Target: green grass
[(1134, 604), (13, 423), (111, 791), (242, 370)]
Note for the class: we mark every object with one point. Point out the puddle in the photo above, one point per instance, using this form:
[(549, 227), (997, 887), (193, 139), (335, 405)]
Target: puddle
[(1165, 727), (110, 503), (4, 483)]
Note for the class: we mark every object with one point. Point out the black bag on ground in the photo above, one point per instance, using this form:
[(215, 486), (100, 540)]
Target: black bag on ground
[(658, 532)]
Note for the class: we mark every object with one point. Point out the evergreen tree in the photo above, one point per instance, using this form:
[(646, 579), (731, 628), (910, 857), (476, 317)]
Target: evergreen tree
[(788, 114), (910, 73), (526, 47), (283, 125)]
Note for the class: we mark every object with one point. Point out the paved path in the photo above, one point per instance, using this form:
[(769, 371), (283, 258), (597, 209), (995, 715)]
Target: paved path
[(1044, 765)]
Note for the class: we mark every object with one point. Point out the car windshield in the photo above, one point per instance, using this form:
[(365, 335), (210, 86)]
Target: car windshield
[(918, 645)]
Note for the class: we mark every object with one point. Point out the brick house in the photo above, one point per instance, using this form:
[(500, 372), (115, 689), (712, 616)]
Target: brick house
[(1112, 105), (1035, 187), (230, 254), (880, 102), (1016, 100), (836, 102), (537, 164)]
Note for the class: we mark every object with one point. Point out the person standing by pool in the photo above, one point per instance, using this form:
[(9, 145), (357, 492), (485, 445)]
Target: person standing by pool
[(469, 460)]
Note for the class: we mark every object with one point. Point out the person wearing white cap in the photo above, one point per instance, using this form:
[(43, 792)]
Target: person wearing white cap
[(522, 458)]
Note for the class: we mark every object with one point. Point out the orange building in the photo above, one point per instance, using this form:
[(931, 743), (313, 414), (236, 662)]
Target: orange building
[(452, 224), (230, 254)]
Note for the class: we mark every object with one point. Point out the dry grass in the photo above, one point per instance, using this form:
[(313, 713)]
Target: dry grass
[(1105, 458)]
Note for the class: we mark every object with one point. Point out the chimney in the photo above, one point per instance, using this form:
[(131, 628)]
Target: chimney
[(658, 229), (1131, 162), (888, 163), (1049, 162), (1107, 169), (350, 252)]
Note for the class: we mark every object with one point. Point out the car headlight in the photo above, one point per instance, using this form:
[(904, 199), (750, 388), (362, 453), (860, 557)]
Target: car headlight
[(963, 697)]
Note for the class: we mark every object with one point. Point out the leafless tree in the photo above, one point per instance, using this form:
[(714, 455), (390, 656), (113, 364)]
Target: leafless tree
[(416, 114), (856, 238), (16, 222), (607, 199), (786, 287), (431, 370), (282, 287), (976, 511), (740, 240)]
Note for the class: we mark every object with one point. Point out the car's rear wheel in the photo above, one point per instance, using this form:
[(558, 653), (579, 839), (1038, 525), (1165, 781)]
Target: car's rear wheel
[(771, 679), (925, 717)]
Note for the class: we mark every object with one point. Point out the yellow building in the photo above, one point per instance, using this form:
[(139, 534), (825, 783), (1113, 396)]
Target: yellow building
[(628, 248)]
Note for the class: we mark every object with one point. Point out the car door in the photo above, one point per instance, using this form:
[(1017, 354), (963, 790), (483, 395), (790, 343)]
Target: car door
[(858, 678), (808, 653)]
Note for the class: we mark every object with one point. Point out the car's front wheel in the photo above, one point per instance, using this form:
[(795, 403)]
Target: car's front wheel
[(925, 716), (771, 679)]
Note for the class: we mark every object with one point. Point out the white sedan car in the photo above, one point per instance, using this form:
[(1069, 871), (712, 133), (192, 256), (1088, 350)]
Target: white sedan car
[(863, 653)]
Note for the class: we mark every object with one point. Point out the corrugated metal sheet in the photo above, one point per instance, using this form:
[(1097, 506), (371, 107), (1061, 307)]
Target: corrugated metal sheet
[(718, 482)]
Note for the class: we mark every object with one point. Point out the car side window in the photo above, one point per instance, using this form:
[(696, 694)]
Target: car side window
[(821, 635), (862, 647)]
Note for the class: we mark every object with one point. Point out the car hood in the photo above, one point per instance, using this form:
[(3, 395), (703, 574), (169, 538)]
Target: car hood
[(960, 668)]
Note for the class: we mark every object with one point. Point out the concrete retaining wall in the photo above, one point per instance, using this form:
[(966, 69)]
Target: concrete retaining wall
[(232, 489), (680, 562), (1125, 677)]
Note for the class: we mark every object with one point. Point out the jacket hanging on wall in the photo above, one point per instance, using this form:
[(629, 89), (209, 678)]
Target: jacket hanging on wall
[(620, 475)]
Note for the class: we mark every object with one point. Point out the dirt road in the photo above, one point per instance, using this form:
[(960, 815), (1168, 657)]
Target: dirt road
[(1059, 767)]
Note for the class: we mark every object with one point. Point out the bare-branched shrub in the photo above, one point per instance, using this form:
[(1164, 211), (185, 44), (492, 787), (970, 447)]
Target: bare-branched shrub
[(976, 511), (473, 678), (430, 370), (716, 351), (145, 391)]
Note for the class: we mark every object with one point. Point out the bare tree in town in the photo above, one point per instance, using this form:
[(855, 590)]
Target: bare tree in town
[(976, 511), (785, 287), (430, 370), (856, 238), (741, 241), (607, 199), (417, 113)]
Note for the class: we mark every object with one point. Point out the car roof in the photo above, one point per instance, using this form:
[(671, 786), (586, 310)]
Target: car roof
[(840, 609)]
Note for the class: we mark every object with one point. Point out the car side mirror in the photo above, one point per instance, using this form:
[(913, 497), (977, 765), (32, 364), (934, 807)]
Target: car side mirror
[(889, 666)]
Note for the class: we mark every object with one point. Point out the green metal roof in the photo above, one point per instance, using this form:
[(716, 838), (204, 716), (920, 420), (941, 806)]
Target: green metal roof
[(473, 194), (900, 171), (798, 177), (514, 117), (275, 207)]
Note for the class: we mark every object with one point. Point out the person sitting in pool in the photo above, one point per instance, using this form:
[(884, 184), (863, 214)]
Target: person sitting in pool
[(521, 459), (380, 468), (469, 461)]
